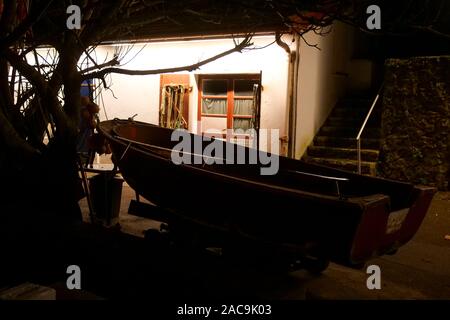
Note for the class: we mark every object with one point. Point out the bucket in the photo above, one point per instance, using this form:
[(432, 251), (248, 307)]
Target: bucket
[(106, 196)]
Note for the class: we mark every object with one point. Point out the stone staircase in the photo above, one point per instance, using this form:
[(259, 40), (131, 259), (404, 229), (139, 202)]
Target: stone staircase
[(335, 143)]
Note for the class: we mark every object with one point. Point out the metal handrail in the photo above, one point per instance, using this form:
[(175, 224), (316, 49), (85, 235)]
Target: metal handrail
[(363, 126)]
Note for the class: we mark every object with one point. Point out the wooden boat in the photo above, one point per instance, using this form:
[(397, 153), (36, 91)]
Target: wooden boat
[(309, 209)]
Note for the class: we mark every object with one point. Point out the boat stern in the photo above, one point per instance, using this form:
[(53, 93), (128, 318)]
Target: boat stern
[(382, 230)]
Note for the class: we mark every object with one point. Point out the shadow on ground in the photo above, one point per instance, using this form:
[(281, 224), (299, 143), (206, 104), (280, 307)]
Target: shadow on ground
[(120, 264)]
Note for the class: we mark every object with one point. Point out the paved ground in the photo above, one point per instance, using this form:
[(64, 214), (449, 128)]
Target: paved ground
[(420, 269), (424, 263)]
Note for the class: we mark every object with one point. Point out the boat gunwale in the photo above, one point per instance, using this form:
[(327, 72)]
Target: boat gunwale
[(361, 201)]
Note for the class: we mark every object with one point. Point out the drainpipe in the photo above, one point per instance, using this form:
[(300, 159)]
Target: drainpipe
[(294, 59)]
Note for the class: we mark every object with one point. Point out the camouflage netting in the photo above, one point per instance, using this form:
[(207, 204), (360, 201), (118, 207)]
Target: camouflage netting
[(416, 121)]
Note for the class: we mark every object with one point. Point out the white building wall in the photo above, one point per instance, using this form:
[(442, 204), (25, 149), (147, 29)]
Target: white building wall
[(140, 94), (320, 83), (321, 80)]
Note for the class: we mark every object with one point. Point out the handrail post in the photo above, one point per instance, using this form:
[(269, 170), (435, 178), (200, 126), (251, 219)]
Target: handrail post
[(358, 147), (358, 137)]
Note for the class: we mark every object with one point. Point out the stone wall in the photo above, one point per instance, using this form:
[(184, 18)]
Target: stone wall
[(415, 131)]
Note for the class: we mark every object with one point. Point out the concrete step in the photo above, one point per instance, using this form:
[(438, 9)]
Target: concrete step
[(342, 153), (340, 142), (355, 102), (349, 132), (351, 122), (28, 291), (367, 167)]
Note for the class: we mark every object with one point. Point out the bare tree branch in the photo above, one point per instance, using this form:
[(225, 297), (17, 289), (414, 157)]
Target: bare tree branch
[(110, 63), (432, 30), (41, 86), (100, 74)]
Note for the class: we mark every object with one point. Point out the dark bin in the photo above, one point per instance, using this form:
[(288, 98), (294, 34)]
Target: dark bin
[(106, 194)]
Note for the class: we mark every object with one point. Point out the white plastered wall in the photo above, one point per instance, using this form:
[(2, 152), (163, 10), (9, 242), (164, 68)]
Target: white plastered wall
[(140, 94), (322, 80)]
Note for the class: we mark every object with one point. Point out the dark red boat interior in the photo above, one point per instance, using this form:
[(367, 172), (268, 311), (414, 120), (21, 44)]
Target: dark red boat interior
[(290, 172)]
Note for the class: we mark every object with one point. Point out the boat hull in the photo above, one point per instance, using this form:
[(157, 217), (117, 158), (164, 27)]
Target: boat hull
[(348, 230)]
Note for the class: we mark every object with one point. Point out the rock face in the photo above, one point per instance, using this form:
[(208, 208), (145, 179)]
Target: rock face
[(415, 134)]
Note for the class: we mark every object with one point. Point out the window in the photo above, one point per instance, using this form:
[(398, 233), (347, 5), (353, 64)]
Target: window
[(228, 102)]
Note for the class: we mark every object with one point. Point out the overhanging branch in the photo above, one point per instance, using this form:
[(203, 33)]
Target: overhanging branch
[(112, 62), (102, 73), (432, 30)]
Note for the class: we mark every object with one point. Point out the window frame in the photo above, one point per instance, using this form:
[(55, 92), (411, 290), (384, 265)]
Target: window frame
[(230, 78)]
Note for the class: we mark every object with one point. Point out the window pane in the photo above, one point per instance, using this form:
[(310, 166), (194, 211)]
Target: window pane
[(214, 125), (214, 87), (214, 106), (243, 124), (243, 107), (244, 87)]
